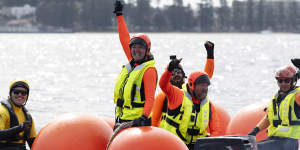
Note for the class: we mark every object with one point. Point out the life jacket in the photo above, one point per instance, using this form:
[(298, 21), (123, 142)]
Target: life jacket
[(14, 122), (129, 93), (185, 122), (283, 119), (165, 110)]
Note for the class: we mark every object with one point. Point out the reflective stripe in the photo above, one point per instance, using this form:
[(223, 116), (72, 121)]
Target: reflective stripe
[(139, 67), (283, 129), (204, 102), (128, 67), (187, 94)]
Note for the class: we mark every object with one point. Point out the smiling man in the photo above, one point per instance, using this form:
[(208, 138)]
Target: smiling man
[(190, 113), (16, 124), (283, 118), (160, 106)]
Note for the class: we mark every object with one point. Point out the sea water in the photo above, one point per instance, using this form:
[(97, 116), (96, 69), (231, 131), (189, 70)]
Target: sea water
[(76, 73)]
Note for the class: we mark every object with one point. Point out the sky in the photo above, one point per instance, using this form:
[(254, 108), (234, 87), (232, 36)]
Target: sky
[(185, 2)]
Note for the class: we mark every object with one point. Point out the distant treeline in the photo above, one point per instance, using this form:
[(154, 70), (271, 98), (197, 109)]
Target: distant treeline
[(240, 16)]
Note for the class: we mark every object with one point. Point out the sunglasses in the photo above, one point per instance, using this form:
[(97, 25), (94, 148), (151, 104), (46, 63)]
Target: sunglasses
[(16, 92), (286, 80), (176, 70)]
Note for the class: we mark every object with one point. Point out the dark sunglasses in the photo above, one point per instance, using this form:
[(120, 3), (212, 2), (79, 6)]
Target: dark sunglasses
[(286, 80), (176, 70), (16, 92)]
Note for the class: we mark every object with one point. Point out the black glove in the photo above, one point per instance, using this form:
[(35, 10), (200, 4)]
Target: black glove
[(118, 8), (173, 64), (142, 121), (25, 125), (296, 62), (30, 141), (10, 134), (209, 46), (254, 131)]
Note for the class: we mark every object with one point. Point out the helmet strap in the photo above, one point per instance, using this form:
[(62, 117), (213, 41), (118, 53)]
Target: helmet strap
[(190, 91), (294, 83)]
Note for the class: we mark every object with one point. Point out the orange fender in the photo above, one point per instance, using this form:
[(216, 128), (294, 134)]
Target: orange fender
[(74, 132), (223, 116), (245, 120), (146, 138)]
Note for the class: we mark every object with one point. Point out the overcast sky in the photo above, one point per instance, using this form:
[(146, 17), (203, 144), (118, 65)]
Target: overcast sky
[(192, 2), (185, 2)]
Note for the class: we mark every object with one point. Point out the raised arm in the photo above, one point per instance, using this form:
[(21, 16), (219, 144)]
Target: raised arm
[(210, 64), (124, 35), (174, 94), (164, 83)]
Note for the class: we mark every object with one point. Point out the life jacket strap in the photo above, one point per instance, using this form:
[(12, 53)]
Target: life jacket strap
[(18, 146), (172, 123)]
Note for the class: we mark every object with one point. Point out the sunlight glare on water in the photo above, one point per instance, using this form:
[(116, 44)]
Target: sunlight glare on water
[(76, 72)]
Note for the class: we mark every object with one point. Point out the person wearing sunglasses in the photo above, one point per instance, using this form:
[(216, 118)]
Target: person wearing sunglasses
[(16, 124), (283, 117), (160, 105)]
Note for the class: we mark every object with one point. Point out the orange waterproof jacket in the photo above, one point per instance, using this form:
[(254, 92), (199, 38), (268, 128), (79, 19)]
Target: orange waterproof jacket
[(150, 75), (175, 98)]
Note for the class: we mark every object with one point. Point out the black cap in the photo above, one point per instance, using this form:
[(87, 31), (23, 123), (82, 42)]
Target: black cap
[(138, 41), (202, 79)]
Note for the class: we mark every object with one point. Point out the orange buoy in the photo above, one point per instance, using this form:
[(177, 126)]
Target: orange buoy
[(223, 116), (110, 121), (74, 132), (146, 138), (245, 120)]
